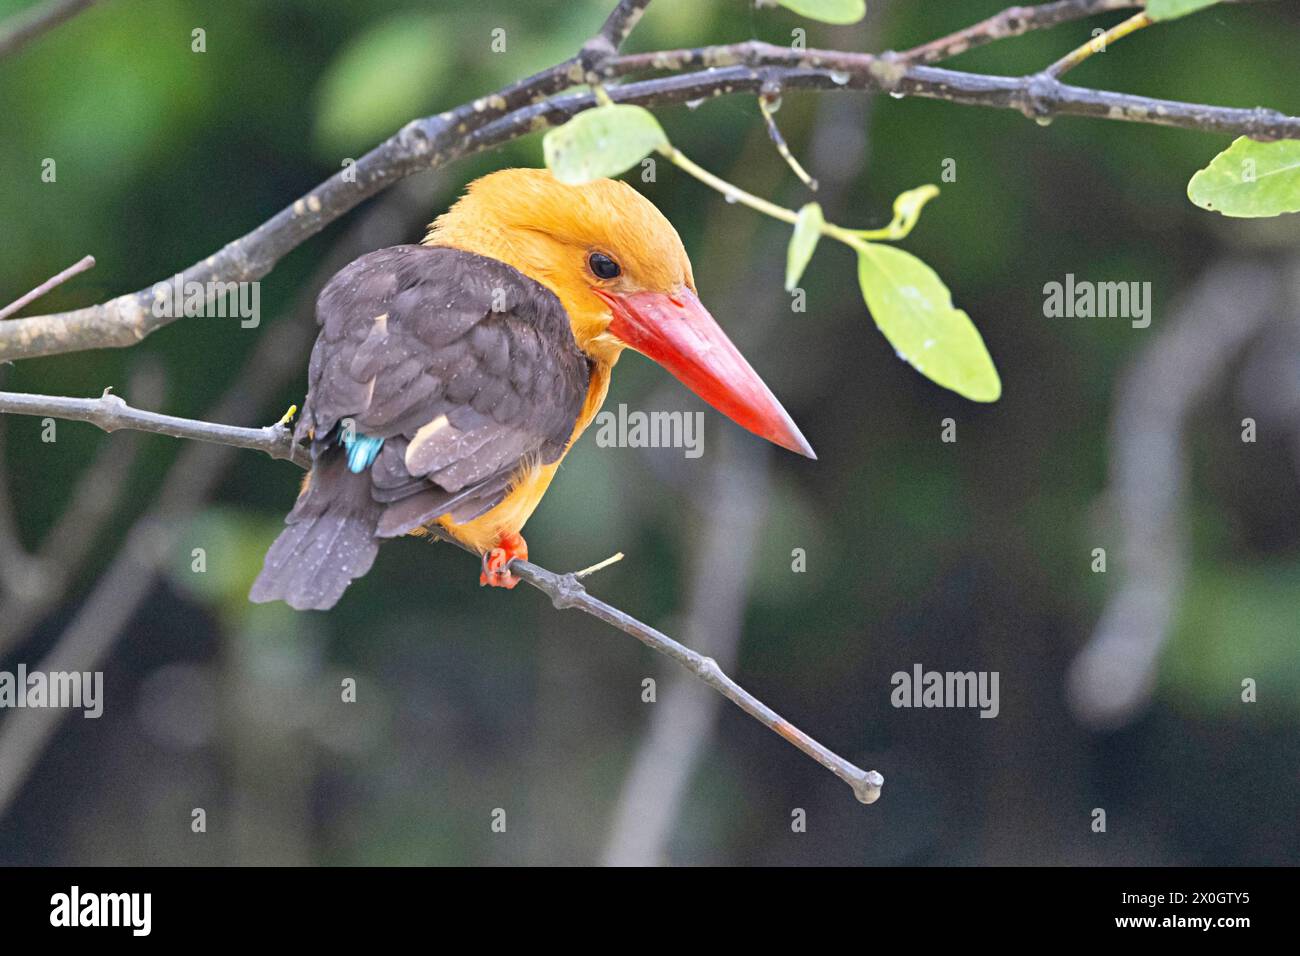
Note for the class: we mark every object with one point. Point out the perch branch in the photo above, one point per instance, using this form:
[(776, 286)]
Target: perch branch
[(534, 104), (110, 413), (565, 590)]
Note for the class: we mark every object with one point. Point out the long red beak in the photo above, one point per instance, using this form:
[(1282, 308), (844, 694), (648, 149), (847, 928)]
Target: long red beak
[(678, 333)]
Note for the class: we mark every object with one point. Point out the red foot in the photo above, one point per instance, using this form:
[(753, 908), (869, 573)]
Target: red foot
[(496, 563)]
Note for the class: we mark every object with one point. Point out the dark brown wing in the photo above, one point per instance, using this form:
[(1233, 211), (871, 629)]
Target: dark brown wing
[(464, 367)]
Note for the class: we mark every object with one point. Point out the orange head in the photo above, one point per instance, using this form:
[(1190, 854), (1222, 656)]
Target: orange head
[(619, 269)]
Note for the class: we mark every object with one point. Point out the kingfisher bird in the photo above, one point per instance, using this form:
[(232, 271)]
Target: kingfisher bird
[(450, 378)]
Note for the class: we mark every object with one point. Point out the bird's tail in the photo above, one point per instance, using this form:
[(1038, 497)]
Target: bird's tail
[(329, 541)]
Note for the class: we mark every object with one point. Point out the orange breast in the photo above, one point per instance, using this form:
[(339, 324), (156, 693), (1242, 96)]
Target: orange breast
[(530, 481)]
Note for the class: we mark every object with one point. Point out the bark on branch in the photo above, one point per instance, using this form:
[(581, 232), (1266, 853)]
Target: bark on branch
[(110, 413), (534, 104)]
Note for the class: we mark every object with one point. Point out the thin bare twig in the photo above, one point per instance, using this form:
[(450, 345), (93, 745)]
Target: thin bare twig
[(766, 107), (86, 262), (1012, 22), (23, 28), (1017, 21)]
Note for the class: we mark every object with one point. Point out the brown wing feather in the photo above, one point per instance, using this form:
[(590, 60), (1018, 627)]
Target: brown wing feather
[(464, 366)]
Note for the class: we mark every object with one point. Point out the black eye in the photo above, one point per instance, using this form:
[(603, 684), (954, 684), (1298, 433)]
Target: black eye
[(603, 266)]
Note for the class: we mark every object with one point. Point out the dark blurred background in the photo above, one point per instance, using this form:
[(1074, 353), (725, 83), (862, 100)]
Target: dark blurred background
[(1119, 690)]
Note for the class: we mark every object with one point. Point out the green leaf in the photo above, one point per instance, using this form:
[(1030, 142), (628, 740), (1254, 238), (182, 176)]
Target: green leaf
[(828, 11), (907, 210), (1172, 9), (914, 310), (384, 79), (807, 230), (600, 142), (1250, 179)]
